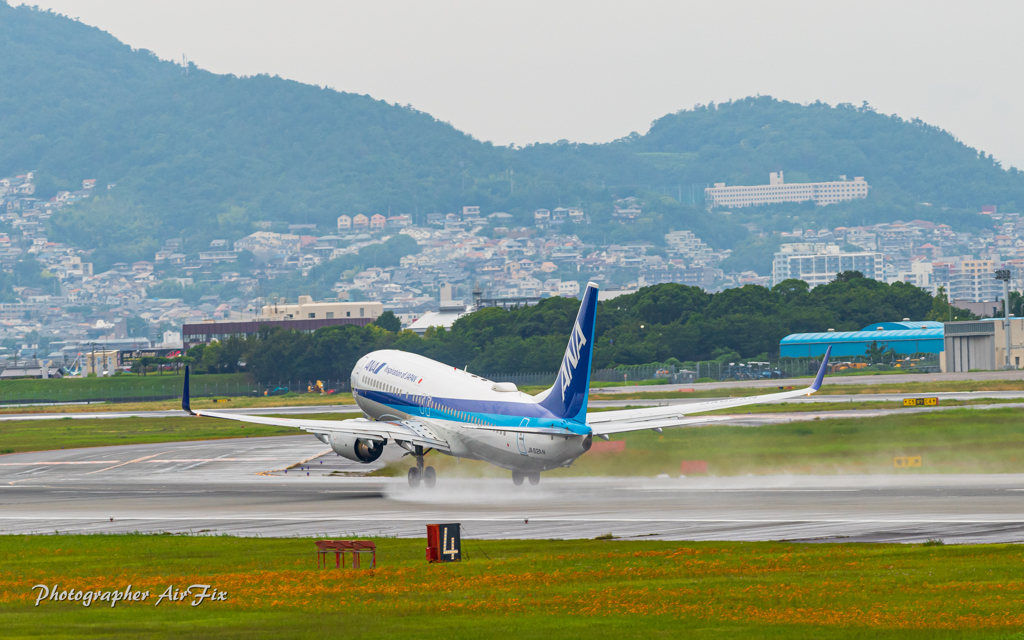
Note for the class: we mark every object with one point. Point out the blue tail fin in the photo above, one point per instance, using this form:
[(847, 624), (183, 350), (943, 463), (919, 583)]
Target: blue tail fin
[(568, 398)]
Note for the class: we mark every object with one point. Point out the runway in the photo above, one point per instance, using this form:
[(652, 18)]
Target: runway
[(239, 487)]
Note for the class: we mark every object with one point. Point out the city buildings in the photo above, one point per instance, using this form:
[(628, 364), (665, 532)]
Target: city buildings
[(818, 263), (777, 191)]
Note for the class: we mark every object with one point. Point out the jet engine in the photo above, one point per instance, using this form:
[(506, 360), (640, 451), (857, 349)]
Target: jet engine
[(356, 449), (588, 442)]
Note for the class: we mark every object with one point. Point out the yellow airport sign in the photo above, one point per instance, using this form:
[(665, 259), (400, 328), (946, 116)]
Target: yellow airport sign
[(902, 462), (920, 402)]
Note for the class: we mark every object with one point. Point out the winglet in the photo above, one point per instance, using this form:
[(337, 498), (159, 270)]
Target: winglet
[(185, 404), (821, 371)]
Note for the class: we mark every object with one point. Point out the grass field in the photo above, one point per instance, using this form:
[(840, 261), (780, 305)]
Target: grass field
[(954, 441), (287, 400), (43, 435), (852, 405), (124, 385), (521, 589)]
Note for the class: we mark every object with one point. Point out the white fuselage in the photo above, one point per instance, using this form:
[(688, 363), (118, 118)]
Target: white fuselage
[(467, 411)]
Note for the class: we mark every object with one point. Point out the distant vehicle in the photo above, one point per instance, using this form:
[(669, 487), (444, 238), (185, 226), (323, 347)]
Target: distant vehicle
[(907, 363), (276, 391), (422, 405), (844, 366)]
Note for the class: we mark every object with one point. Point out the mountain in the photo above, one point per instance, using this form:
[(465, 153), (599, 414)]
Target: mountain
[(195, 153)]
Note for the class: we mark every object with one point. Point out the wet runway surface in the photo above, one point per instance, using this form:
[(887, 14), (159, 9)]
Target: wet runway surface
[(239, 487)]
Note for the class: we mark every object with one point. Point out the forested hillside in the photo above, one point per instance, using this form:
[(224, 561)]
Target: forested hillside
[(184, 146)]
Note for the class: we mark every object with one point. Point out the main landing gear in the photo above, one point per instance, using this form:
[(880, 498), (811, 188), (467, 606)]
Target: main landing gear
[(519, 476), (420, 473)]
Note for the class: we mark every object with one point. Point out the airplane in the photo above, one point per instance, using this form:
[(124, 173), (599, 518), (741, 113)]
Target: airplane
[(423, 405)]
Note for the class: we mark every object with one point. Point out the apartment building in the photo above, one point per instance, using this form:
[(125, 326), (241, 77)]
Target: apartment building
[(818, 263), (975, 282), (777, 190)]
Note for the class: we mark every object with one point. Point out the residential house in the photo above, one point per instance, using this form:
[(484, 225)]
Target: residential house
[(400, 221), (542, 217)]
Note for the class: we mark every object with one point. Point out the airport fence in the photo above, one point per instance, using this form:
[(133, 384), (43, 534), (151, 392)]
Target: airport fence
[(774, 369), (644, 372)]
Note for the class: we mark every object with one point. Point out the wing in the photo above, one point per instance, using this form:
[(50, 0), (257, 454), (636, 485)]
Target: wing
[(410, 432), (608, 422), (413, 432)]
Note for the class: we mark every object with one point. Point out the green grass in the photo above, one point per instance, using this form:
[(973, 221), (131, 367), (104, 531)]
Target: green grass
[(66, 433), (512, 588), (117, 387), (851, 405)]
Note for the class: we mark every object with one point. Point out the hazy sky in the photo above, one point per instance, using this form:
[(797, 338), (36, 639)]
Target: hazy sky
[(593, 71)]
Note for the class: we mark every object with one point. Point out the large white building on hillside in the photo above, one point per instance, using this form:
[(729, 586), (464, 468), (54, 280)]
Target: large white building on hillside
[(777, 190), (818, 263)]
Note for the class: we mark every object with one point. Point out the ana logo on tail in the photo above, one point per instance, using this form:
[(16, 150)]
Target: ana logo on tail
[(572, 356)]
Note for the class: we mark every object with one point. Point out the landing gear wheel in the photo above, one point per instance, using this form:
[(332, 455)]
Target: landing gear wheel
[(517, 478), (534, 478), (429, 477), (414, 477)]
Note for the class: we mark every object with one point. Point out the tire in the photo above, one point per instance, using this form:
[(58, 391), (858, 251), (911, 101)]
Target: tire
[(534, 478), (429, 477), (517, 478), (414, 478)]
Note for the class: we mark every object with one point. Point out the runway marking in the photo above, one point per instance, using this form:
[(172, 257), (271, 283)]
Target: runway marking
[(783, 490), (272, 472), (213, 460), (129, 462), (23, 464)]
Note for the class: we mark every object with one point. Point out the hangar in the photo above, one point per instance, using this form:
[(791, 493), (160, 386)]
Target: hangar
[(905, 337)]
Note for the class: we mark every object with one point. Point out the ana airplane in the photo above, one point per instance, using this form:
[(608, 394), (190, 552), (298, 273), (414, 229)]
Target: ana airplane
[(423, 405)]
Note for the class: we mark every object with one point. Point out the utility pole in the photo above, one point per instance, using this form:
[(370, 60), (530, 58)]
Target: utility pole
[(1004, 275)]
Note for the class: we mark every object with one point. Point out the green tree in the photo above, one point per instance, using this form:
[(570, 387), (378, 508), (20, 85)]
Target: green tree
[(389, 322), (943, 311)]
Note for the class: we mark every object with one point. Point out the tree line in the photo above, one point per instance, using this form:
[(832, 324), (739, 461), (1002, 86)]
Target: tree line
[(652, 325)]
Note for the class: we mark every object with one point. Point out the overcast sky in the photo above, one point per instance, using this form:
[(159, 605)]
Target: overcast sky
[(528, 71)]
